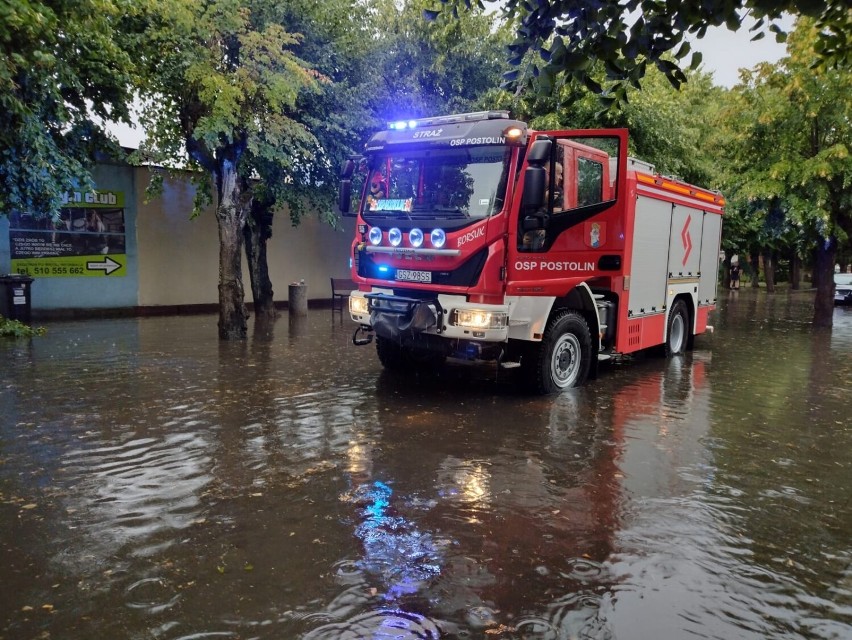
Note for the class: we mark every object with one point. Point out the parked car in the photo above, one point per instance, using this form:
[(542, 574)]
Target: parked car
[(843, 288)]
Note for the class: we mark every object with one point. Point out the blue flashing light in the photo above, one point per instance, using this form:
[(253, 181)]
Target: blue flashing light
[(402, 125), (383, 268)]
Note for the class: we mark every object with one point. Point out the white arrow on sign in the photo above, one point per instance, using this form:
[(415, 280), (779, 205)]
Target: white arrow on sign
[(108, 265)]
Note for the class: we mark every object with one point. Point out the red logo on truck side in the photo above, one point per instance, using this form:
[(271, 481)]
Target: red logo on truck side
[(687, 240)]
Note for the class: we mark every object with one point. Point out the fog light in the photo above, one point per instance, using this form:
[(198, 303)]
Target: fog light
[(415, 237), (438, 238), (359, 305), (395, 237), (479, 319)]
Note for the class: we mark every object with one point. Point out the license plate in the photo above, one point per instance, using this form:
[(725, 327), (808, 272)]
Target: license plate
[(408, 275)]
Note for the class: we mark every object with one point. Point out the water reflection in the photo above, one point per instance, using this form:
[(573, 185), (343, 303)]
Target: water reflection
[(154, 482)]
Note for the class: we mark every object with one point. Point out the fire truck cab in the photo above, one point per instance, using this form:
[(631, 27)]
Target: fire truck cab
[(479, 238)]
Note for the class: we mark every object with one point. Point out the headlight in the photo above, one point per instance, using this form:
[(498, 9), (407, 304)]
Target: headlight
[(359, 305), (438, 238), (415, 237), (375, 236), (479, 319), (394, 237)]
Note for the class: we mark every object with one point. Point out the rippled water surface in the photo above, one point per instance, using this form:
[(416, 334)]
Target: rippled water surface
[(155, 483)]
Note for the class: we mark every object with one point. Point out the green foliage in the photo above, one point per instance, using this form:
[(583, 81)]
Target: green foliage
[(382, 62), (335, 40), (788, 138), (17, 329), (442, 66), (63, 66), (218, 79), (670, 128), (565, 38)]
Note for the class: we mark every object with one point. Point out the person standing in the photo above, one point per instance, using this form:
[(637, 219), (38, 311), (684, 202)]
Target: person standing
[(735, 275)]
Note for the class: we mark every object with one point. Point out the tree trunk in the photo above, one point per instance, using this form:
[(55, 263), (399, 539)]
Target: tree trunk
[(769, 270), (815, 274), (824, 266), (231, 217), (755, 269), (257, 231), (795, 271)]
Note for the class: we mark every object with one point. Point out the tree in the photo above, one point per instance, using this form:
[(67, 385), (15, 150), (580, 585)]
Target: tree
[(790, 144), (382, 61), (433, 68), (670, 128), (219, 78), (63, 71), (566, 37), (336, 41)]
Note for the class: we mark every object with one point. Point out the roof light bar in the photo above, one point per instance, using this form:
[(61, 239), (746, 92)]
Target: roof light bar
[(474, 116)]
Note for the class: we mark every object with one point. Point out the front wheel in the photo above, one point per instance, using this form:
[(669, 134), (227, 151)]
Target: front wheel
[(390, 354), (563, 358), (677, 330), (395, 357)]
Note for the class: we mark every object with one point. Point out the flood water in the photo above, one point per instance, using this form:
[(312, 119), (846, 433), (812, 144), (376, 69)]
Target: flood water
[(155, 483)]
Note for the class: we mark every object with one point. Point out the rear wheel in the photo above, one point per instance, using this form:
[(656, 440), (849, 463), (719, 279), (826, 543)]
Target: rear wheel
[(677, 331), (563, 358)]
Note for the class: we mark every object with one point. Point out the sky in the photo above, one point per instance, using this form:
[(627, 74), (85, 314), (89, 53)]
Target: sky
[(724, 54)]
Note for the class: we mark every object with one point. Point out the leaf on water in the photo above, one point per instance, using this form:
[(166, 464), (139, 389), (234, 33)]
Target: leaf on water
[(220, 569), (47, 607), (29, 506), (248, 567), (26, 608)]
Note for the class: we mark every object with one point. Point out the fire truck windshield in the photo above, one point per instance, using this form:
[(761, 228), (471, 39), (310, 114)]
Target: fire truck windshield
[(460, 182)]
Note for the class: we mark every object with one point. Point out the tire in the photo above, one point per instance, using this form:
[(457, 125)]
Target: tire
[(391, 355), (677, 330), (397, 358), (563, 358)]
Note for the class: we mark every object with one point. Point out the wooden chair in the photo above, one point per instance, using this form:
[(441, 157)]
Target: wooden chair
[(340, 290)]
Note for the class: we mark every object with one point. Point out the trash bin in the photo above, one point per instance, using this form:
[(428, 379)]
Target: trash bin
[(298, 299), (15, 302)]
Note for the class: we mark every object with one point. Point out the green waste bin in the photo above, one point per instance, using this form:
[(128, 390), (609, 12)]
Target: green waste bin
[(15, 301)]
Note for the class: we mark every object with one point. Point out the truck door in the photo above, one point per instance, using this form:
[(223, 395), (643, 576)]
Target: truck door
[(582, 217)]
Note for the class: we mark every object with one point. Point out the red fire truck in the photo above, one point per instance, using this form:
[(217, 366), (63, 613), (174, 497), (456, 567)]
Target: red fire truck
[(544, 251)]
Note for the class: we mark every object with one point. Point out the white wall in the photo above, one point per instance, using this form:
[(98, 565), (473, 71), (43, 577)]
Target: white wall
[(179, 256)]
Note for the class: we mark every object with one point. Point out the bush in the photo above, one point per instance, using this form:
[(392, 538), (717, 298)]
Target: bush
[(17, 329)]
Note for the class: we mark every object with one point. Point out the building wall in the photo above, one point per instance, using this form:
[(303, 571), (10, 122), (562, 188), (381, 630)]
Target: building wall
[(180, 263), (172, 260)]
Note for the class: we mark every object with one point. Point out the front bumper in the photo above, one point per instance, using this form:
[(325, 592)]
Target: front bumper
[(401, 318)]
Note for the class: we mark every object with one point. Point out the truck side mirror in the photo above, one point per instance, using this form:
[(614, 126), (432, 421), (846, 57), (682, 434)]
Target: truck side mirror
[(345, 198), (539, 153), (534, 185), (345, 193)]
